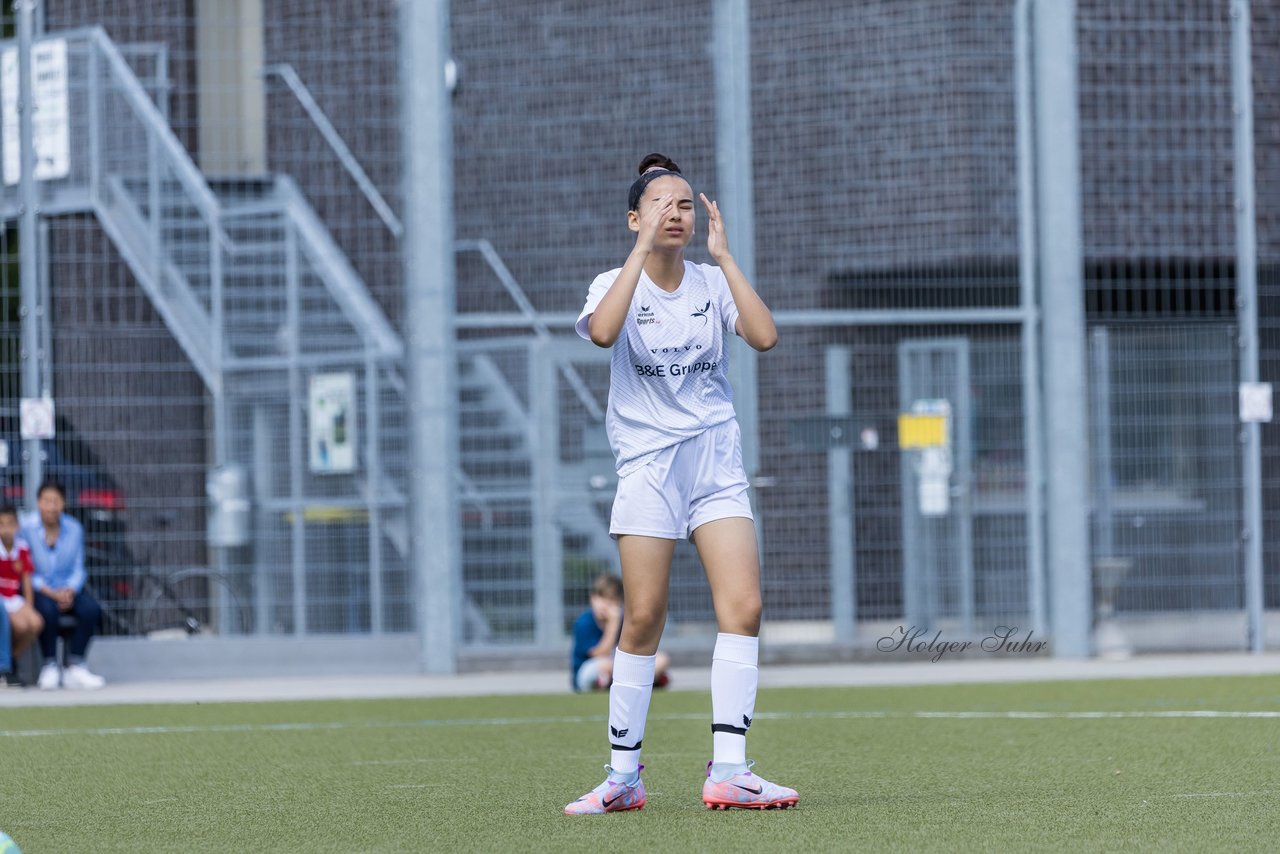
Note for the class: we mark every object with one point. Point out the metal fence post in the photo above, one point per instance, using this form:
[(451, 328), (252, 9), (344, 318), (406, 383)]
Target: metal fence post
[(264, 489), (1029, 338), (1247, 312), (548, 553), (28, 254), (428, 261), (1057, 169), (93, 87), (374, 488), (731, 46), (297, 432), (1104, 476), (842, 539)]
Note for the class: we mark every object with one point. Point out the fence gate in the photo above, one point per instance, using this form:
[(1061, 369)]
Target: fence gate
[(936, 472)]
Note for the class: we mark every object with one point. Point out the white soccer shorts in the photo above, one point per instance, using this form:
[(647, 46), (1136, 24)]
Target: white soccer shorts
[(685, 486)]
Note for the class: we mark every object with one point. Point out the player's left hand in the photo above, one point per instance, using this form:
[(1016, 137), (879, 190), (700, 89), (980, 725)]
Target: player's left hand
[(717, 240)]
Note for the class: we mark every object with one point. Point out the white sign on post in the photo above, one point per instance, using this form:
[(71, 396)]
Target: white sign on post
[(35, 418), (333, 423), (50, 119), (1255, 403)]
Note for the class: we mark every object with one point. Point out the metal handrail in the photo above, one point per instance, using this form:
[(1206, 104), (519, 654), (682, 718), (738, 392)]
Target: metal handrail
[(145, 109), (159, 53), (335, 271), (535, 321), (318, 117)]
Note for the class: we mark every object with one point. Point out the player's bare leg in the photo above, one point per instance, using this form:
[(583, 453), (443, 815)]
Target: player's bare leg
[(646, 571), (732, 563), (646, 582)]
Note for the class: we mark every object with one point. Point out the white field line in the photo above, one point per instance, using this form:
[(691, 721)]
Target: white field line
[(1194, 713), (313, 726), (1264, 792), (420, 761)]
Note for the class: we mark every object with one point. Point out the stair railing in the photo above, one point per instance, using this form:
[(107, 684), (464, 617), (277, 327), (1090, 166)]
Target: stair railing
[(289, 76)]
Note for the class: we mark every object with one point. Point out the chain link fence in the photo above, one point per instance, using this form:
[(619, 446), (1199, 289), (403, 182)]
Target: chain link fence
[(221, 270)]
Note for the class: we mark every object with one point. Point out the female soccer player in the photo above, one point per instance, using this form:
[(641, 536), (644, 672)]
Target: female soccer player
[(674, 434)]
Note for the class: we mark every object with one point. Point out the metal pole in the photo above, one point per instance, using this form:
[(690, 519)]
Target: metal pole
[(221, 421), (1247, 313), (428, 258), (93, 88), (297, 434), (1057, 169), (962, 481), (44, 352), (731, 45), (264, 488), (1104, 487), (155, 210), (373, 488), (1032, 402), (548, 554), (842, 527), (28, 254), (915, 550)]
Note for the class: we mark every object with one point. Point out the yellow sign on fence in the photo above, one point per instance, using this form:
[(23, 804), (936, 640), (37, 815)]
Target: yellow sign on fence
[(921, 431)]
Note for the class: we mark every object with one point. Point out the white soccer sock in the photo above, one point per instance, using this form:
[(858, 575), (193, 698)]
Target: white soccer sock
[(734, 679), (628, 708)]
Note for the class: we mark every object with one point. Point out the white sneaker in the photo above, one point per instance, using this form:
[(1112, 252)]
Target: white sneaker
[(79, 678), (50, 677)]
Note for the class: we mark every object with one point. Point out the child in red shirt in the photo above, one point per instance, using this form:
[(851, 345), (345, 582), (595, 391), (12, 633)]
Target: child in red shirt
[(15, 582)]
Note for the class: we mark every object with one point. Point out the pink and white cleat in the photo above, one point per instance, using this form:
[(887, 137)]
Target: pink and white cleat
[(740, 789), (610, 796)]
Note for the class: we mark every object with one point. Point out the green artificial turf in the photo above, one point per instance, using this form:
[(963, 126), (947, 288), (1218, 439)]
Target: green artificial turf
[(876, 771)]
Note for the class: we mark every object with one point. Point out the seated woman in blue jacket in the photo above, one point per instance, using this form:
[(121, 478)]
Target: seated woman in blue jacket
[(57, 550)]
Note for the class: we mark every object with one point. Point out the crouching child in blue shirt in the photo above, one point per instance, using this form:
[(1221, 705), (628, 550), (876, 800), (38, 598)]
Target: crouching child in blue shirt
[(595, 637)]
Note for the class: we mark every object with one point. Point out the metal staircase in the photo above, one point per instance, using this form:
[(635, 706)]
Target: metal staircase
[(254, 289)]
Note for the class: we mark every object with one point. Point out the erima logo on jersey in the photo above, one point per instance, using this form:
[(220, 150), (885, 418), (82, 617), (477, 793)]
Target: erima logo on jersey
[(746, 722), (702, 312), (618, 733), (645, 317)]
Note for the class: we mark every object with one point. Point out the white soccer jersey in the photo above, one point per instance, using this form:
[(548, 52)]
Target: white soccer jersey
[(669, 377)]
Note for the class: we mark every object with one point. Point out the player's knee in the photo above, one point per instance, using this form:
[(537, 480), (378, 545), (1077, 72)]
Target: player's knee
[(643, 626), (746, 615)]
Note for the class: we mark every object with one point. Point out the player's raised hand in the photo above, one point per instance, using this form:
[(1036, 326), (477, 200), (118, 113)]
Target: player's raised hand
[(652, 219), (717, 240)]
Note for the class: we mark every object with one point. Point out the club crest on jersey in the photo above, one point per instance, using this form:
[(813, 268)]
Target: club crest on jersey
[(646, 317), (702, 312)]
